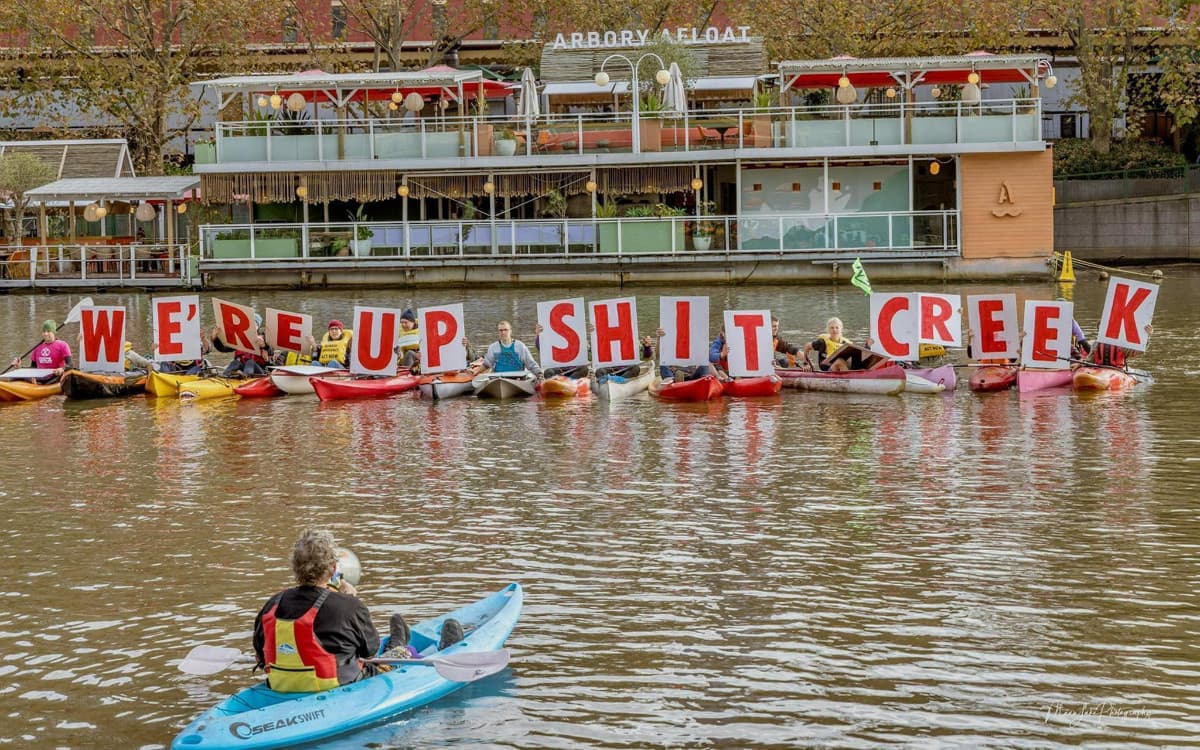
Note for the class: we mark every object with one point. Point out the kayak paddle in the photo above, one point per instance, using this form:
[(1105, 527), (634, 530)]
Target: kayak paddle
[(72, 317), (466, 666)]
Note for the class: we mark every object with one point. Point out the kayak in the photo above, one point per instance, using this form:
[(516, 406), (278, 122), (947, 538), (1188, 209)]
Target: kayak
[(447, 385), (888, 380), (258, 388), (1088, 378), (993, 378), (295, 380), (517, 384), (79, 385), (166, 384), (329, 389), (1037, 380), (207, 388), (561, 386), (750, 387), (257, 718), (613, 387), (946, 376), (17, 385), (703, 388)]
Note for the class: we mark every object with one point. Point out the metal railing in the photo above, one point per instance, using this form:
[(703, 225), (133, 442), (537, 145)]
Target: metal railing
[(810, 127), (107, 265), (905, 233)]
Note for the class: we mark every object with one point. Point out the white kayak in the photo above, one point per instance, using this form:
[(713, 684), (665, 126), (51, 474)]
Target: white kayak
[(612, 387), (518, 384), (296, 379)]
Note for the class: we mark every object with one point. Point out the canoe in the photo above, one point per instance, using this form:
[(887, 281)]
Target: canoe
[(79, 385), (1037, 380), (750, 387), (23, 390), (1087, 378), (331, 389), (166, 385), (617, 387), (258, 718), (701, 389), (561, 386), (258, 388), (447, 385), (208, 388), (295, 380), (517, 384), (944, 375), (888, 380), (993, 378)]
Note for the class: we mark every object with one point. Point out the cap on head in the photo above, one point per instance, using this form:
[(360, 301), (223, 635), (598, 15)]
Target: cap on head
[(335, 324), (50, 326), (408, 314)]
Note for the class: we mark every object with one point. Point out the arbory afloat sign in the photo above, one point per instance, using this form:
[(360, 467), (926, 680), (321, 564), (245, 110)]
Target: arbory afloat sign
[(641, 37)]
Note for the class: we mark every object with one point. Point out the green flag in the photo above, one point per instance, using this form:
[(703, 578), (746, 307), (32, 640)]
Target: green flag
[(859, 279)]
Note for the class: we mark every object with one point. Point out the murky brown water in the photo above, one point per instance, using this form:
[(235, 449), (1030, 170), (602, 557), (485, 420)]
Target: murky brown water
[(828, 571)]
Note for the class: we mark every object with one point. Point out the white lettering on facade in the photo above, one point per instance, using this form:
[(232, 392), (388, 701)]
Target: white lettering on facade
[(640, 37)]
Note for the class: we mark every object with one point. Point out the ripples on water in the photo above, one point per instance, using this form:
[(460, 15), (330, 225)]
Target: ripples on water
[(813, 570)]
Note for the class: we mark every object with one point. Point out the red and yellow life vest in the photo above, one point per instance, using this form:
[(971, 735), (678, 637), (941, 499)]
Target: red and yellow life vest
[(1108, 354), (296, 661)]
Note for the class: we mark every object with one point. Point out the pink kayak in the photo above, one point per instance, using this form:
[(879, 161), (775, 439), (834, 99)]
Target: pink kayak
[(329, 389), (1037, 380)]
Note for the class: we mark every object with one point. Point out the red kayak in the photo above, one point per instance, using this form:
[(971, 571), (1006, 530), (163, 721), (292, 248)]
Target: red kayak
[(767, 385), (700, 389), (993, 378), (329, 389), (258, 388)]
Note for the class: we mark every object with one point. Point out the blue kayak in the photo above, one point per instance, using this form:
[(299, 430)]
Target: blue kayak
[(259, 717)]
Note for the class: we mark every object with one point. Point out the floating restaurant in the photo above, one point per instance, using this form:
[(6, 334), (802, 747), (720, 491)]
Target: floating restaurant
[(620, 166)]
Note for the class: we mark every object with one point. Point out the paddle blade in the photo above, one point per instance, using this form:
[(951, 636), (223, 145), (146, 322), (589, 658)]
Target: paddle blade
[(471, 666), (77, 310), (205, 660)]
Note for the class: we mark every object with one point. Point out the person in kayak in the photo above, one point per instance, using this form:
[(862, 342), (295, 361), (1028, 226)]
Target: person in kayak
[(785, 353), (507, 355), (1111, 355), (51, 354), (334, 349), (245, 364), (1080, 347), (409, 344), (828, 343), (671, 373)]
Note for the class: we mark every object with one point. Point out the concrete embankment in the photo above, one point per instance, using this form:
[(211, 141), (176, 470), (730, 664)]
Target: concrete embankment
[(1130, 230)]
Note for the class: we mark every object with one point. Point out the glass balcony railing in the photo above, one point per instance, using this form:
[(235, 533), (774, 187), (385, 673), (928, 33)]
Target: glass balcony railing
[(787, 128), (902, 234)]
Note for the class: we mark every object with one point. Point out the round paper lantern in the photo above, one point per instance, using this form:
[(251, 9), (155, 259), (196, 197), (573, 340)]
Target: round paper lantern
[(973, 77), (301, 192), (602, 78), (181, 208), (89, 212), (934, 168), (1051, 81), (890, 93), (413, 102), (262, 100), (843, 82), (397, 97), (145, 212), (276, 101), (847, 95), (971, 94), (402, 191), (663, 77), (296, 102), (697, 183), (101, 212)]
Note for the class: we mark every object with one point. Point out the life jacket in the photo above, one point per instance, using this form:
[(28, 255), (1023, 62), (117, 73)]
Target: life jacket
[(296, 358), (296, 661), (1108, 354), (832, 346), (410, 340), (507, 360), (338, 349)]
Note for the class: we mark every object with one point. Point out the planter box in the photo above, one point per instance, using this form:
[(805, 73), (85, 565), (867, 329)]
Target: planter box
[(763, 135), (483, 140), (273, 247), (205, 153), (642, 237), (651, 134)]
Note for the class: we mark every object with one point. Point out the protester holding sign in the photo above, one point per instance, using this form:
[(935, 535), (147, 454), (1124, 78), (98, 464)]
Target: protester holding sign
[(245, 364), (828, 343), (334, 349), (507, 355)]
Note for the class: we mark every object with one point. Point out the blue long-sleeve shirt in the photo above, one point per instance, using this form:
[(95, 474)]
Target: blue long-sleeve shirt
[(714, 351)]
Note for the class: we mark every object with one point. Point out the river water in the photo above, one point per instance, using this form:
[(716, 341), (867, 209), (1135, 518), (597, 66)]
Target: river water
[(806, 571)]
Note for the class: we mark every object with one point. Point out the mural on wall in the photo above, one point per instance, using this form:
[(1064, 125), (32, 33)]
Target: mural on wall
[(833, 220)]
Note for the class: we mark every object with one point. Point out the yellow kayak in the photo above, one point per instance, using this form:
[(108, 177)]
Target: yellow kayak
[(23, 390), (167, 384), (207, 388)]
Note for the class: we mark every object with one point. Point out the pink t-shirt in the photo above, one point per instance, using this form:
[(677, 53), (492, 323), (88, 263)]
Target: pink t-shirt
[(52, 355)]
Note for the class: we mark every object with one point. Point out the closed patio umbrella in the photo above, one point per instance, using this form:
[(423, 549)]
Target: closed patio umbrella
[(528, 105), (675, 98)]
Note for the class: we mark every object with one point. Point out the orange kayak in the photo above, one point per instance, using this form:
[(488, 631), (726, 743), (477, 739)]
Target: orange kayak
[(23, 390), (1088, 378), (560, 386), (993, 378)]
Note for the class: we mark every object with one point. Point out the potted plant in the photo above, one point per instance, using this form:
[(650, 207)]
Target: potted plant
[(506, 144), (650, 125), (362, 232), (702, 234)]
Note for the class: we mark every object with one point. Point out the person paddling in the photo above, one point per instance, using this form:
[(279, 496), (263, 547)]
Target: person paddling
[(51, 354)]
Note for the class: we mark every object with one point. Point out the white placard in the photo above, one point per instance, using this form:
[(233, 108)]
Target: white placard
[(176, 328), (1128, 309), (748, 335), (894, 326), (1046, 343), (235, 325), (373, 348), (684, 321), (940, 319), (442, 331), (563, 340), (614, 332), (992, 323), (102, 337), (288, 330)]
